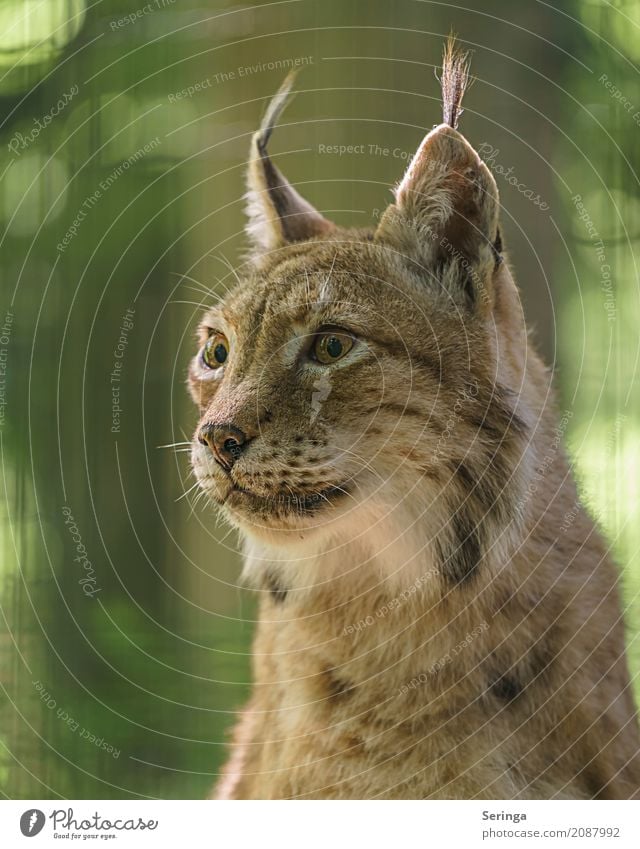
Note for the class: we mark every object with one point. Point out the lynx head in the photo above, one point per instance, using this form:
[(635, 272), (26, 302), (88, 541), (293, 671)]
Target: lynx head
[(363, 376)]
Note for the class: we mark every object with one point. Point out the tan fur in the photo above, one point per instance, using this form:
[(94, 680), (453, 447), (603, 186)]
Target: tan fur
[(431, 632)]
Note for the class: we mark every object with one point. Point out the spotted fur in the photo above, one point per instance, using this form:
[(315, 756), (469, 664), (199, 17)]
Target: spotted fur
[(427, 631)]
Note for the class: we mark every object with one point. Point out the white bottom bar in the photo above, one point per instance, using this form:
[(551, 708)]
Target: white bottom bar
[(320, 825)]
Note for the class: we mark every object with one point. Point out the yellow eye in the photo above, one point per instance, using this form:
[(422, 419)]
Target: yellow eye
[(331, 346), (216, 351)]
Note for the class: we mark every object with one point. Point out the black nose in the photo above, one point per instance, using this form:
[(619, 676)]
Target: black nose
[(226, 441)]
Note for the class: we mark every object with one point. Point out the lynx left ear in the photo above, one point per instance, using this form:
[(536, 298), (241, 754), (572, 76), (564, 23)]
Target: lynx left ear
[(277, 214), (445, 214)]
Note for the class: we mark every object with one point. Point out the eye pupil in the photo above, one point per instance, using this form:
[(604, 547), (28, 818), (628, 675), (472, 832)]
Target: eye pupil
[(334, 347), (216, 351), (331, 346)]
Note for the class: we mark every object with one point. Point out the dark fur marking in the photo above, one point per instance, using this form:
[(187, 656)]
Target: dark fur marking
[(279, 194), (463, 558), (485, 492), (595, 785), (481, 423), (517, 679), (277, 591), (464, 280), (498, 423), (464, 473), (483, 489), (494, 489), (507, 688), (337, 688), (431, 472), (468, 287), (497, 248)]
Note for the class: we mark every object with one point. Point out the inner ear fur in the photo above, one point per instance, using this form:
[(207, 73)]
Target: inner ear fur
[(446, 211), (277, 214)]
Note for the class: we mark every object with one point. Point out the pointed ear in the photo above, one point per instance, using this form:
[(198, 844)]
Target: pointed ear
[(277, 214), (445, 215)]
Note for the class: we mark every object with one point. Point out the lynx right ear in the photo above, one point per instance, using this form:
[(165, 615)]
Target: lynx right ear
[(445, 214), (277, 214)]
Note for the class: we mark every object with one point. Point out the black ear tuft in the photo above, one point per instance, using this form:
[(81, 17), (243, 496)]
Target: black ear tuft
[(277, 214), (454, 81)]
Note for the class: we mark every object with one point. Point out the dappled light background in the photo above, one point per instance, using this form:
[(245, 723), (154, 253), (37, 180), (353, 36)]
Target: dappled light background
[(124, 633)]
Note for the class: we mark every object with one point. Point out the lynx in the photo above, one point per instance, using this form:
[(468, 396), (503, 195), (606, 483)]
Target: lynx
[(377, 425)]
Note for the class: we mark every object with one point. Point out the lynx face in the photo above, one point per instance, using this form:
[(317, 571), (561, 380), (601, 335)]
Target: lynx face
[(356, 373), (325, 395)]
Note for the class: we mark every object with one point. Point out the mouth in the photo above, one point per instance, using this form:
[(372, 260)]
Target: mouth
[(286, 505)]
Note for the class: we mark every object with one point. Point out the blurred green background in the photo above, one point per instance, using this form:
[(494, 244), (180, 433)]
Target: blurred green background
[(121, 196)]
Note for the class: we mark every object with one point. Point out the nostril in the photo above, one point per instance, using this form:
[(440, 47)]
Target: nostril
[(227, 442), (231, 445)]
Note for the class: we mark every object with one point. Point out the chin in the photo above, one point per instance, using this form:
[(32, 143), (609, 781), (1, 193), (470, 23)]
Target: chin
[(286, 520)]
